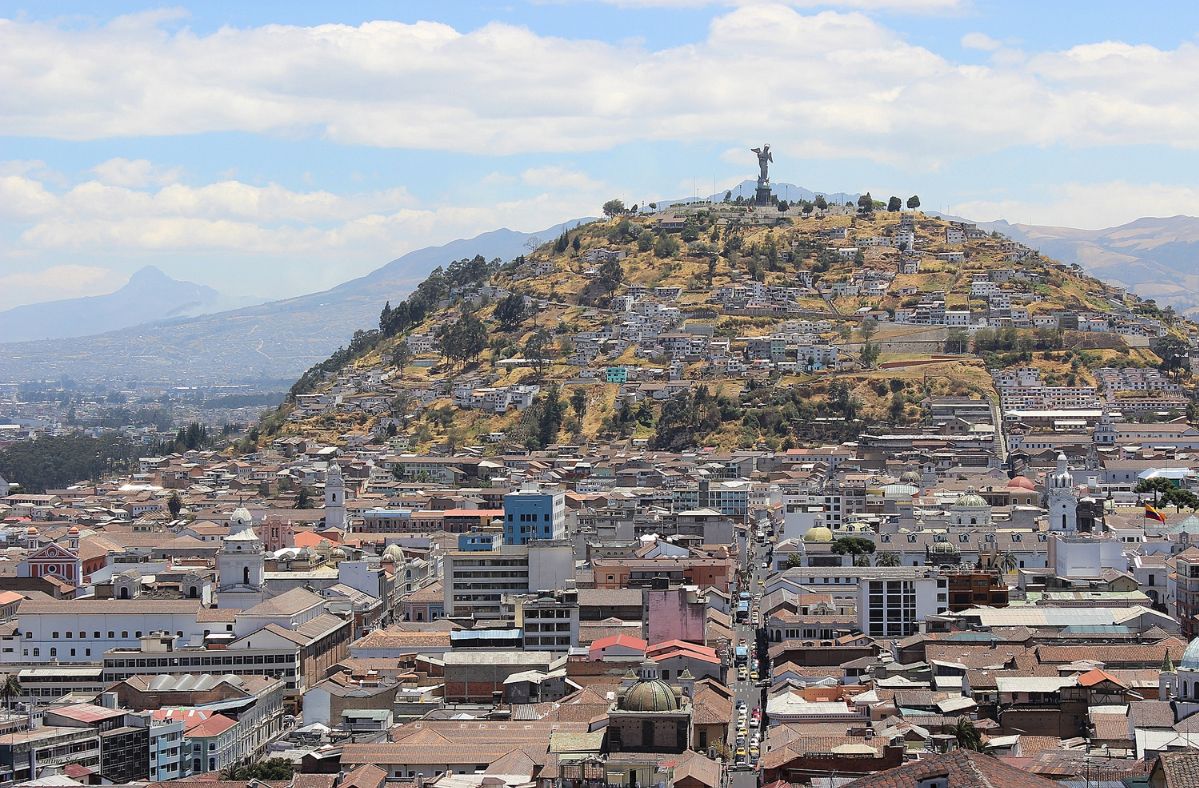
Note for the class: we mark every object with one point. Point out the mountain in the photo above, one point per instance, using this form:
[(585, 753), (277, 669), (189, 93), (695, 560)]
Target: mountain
[(782, 190), (148, 296), (275, 341), (1153, 257)]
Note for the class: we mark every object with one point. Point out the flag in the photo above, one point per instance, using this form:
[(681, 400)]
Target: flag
[(1154, 514)]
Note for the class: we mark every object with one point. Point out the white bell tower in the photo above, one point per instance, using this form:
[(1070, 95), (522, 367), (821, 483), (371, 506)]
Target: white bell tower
[(335, 498), (240, 564), (1062, 498)]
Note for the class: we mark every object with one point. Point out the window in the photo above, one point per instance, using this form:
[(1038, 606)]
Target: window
[(54, 652), (54, 635)]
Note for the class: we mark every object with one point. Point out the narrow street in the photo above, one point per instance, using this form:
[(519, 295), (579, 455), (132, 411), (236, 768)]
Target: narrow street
[(744, 690)]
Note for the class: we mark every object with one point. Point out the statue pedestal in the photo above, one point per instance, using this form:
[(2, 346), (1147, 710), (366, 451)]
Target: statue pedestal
[(762, 193)]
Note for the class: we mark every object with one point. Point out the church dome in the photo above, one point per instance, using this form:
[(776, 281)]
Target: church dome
[(241, 518), (910, 477), (651, 695), (393, 552), (818, 534), (1190, 657), (337, 553), (31, 531), (971, 499), (942, 547), (73, 531), (1022, 483)]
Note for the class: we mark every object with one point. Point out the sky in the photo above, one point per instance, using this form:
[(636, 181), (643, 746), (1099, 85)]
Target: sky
[(275, 148)]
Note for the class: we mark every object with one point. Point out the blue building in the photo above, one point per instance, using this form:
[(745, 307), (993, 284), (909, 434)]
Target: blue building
[(475, 541), (534, 514)]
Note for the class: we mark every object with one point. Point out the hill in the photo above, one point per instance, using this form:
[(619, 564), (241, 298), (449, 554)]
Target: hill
[(718, 325), (275, 341), (1153, 257), (148, 296)]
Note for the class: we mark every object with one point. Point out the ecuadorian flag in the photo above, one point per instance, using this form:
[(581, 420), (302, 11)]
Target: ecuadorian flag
[(1154, 514)]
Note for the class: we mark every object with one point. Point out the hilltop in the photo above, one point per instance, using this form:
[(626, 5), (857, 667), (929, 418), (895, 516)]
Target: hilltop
[(722, 325)]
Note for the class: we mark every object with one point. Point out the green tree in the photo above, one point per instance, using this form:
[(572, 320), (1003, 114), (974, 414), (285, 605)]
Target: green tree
[(510, 311), (610, 275), (666, 246), (551, 417), (1156, 485), (304, 498), (578, 401), (967, 735), (277, 769), (820, 202), (852, 545), (614, 207), (576, 244), (537, 351), (957, 340), (10, 688), (913, 202), (1178, 498), (887, 558), (1007, 563), (868, 328), (865, 203), (870, 354), (174, 505), (894, 204)]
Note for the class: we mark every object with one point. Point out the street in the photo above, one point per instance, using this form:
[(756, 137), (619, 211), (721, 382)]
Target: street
[(745, 690)]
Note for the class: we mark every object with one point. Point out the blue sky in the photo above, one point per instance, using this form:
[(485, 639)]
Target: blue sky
[(275, 148)]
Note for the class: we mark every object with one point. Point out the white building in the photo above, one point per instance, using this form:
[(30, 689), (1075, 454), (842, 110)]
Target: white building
[(1062, 498), (240, 564), (335, 498)]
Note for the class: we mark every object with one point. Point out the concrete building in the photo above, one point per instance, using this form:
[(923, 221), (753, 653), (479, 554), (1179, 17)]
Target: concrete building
[(533, 513), (476, 582)]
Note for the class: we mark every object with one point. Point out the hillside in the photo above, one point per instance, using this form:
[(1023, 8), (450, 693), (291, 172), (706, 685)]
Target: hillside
[(1153, 257), (664, 327), (275, 341)]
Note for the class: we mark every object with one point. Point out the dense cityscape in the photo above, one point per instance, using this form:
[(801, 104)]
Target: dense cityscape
[(766, 487)]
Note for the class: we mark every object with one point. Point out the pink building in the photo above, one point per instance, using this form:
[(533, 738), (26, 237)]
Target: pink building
[(675, 614)]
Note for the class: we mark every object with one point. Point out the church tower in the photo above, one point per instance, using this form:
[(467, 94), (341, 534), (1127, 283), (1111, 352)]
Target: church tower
[(1062, 498), (240, 564), (335, 498)]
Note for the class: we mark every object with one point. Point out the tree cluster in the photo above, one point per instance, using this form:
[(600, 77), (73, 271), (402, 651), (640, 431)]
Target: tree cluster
[(59, 460), (463, 340)]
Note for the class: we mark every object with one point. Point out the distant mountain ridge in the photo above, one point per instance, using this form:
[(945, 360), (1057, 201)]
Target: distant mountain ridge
[(148, 296), (1154, 257), (275, 341), (782, 190)]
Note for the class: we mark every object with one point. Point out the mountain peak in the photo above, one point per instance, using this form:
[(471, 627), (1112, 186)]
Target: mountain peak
[(149, 273)]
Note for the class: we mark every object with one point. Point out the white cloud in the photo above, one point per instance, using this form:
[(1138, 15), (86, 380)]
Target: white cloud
[(559, 177), (273, 227), (905, 6), (865, 90), (56, 282), (135, 173), (1090, 206), (980, 41)]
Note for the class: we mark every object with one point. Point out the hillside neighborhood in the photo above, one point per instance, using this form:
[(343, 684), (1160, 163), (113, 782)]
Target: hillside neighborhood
[(720, 494)]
